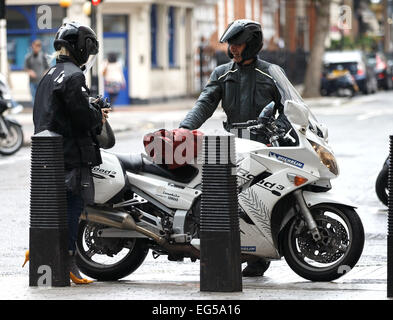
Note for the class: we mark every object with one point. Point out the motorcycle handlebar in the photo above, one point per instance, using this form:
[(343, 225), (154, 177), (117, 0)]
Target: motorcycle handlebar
[(243, 125)]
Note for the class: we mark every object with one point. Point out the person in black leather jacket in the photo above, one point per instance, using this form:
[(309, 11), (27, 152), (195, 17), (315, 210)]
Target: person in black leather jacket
[(244, 87), (62, 106)]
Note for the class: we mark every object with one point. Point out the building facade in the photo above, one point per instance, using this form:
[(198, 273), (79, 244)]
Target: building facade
[(288, 27), (286, 23), (155, 41)]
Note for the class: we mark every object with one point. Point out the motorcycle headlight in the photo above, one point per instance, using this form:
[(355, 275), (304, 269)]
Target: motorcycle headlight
[(326, 157)]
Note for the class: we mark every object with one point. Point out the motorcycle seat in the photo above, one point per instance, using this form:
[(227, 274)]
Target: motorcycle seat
[(136, 163)]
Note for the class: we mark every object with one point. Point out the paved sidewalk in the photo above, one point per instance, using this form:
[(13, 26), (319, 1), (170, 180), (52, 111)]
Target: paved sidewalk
[(165, 280)]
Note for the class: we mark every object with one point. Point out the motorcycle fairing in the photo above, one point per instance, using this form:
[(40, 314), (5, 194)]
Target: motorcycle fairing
[(170, 195), (314, 198), (259, 200), (108, 178)]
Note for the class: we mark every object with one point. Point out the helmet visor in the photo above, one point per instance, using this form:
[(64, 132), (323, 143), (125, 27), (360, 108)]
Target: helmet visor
[(240, 38), (234, 32), (89, 63)]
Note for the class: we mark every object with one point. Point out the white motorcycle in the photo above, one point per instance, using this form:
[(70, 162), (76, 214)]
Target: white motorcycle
[(285, 203)]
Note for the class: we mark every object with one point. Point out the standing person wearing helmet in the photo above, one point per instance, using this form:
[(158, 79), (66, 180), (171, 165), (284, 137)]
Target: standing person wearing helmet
[(62, 106), (244, 86)]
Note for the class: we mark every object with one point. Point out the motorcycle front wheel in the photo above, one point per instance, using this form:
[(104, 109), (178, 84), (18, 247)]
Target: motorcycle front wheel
[(381, 185), (13, 141), (107, 259), (338, 251)]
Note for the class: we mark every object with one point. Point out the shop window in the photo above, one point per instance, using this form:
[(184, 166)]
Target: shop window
[(18, 19), (22, 29), (115, 23), (153, 35), (17, 48), (172, 36)]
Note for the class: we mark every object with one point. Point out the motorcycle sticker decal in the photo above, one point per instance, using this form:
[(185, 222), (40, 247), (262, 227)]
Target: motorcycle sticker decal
[(285, 159), (171, 196), (244, 176), (110, 173), (257, 209), (248, 248), (270, 187), (98, 176)]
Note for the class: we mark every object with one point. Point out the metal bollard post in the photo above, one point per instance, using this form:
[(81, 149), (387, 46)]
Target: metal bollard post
[(220, 262), (48, 213), (390, 222)]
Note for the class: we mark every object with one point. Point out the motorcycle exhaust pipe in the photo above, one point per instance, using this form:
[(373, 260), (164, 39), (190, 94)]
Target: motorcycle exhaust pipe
[(118, 219), (122, 220)]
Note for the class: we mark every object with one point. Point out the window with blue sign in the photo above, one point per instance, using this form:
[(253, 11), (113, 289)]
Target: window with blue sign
[(23, 29), (153, 34), (172, 36)]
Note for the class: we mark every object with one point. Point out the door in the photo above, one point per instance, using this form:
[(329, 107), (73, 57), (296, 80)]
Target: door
[(116, 44)]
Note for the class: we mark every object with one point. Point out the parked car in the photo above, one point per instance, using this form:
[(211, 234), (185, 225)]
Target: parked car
[(355, 62), (383, 69), (337, 80)]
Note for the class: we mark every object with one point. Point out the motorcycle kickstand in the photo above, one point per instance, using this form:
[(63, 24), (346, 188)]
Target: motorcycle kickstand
[(312, 225)]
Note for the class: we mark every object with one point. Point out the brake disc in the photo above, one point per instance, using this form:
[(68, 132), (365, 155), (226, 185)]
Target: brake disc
[(98, 245), (332, 246)]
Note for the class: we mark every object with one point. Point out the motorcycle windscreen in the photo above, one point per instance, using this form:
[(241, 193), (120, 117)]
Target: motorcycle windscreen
[(289, 93)]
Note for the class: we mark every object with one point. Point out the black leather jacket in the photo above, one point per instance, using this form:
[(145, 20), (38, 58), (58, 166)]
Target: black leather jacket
[(62, 105), (243, 90)]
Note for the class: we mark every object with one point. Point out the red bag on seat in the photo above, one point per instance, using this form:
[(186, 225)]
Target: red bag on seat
[(173, 148)]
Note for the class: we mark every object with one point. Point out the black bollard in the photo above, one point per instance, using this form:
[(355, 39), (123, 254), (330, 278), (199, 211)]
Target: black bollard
[(390, 222), (48, 213), (220, 264)]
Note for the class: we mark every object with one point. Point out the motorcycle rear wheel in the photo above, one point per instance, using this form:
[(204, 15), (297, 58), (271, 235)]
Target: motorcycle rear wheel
[(12, 143), (89, 245), (381, 185), (337, 253)]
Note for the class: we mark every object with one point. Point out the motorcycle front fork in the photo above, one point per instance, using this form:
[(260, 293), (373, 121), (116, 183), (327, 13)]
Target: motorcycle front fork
[(312, 225)]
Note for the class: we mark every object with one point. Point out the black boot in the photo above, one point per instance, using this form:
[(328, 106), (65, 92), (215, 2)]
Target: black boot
[(256, 268)]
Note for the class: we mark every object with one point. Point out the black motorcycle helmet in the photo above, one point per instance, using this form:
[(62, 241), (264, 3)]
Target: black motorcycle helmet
[(79, 40), (244, 31)]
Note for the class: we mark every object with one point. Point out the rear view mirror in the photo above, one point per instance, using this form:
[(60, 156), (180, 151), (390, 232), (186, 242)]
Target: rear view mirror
[(266, 113)]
